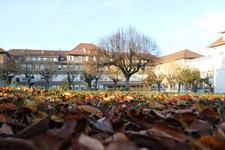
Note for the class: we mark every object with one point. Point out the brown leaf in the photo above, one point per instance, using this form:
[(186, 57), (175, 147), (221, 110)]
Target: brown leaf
[(209, 114), (35, 129), (50, 142), (8, 106), (3, 117), (163, 130), (201, 126), (30, 105), (121, 145), (133, 114), (91, 109), (17, 144), (104, 124), (90, 143), (211, 142), (186, 117), (155, 142), (6, 129), (65, 131), (219, 134), (117, 137)]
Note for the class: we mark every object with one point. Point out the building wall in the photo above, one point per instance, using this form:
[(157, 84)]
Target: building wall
[(219, 69)]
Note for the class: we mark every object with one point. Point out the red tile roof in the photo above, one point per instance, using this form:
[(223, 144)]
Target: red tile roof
[(32, 52), (183, 54), (84, 49), (1, 49), (218, 42)]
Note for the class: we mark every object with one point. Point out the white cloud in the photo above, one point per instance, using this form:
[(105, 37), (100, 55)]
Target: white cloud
[(212, 22)]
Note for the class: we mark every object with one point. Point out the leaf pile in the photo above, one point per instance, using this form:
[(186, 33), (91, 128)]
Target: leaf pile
[(32, 119)]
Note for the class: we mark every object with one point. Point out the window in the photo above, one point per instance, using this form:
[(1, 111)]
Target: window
[(81, 77), (64, 67), (76, 67), (59, 67), (28, 58), (81, 68), (29, 66), (36, 66), (78, 58), (33, 58), (42, 67)]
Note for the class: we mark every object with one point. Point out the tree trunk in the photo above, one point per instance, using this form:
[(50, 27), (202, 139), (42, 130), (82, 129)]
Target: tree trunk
[(9, 80), (29, 84), (171, 87), (96, 84), (47, 85), (194, 87), (159, 86), (127, 83), (70, 85), (114, 85), (89, 85), (179, 86)]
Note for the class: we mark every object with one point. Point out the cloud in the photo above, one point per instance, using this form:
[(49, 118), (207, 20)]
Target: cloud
[(212, 22)]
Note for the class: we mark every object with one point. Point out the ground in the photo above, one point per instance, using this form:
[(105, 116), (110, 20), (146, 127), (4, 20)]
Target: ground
[(32, 119)]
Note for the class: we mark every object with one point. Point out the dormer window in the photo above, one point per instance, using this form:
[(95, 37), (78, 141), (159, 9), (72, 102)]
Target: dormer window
[(84, 50)]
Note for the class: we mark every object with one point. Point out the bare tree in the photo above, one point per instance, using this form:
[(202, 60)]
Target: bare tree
[(8, 70), (28, 71), (71, 74), (48, 74), (29, 75), (92, 71), (88, 74), (115, 74), (153, 77), (129, 50)]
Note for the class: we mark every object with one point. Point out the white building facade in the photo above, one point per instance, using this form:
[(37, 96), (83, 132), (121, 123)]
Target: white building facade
[(218, 62)]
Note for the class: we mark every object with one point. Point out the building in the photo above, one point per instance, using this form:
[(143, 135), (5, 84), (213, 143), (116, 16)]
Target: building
[(61, 60), (188, 58), (72, 60), (219, 63)]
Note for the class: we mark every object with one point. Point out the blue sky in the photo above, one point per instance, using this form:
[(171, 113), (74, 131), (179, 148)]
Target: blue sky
[(62, 24)]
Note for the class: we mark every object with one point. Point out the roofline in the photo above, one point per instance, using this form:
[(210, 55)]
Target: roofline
[(216, 45), (38, 50)]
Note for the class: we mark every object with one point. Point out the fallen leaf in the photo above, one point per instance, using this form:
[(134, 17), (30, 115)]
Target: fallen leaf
[(201, 126), (104, 125), (8, 106), (3, 117), (91, 109), (209, 114), (90, 143), (35, 129), (162, 129), (6, 129), (17, 144), (121, 145), (30, 105), (211, 142), (65, 131)]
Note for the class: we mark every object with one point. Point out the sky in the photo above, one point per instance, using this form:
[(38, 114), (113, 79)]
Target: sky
[(62, 24)]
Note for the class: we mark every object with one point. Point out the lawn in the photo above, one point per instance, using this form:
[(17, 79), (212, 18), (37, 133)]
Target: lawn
[(32, 119)]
